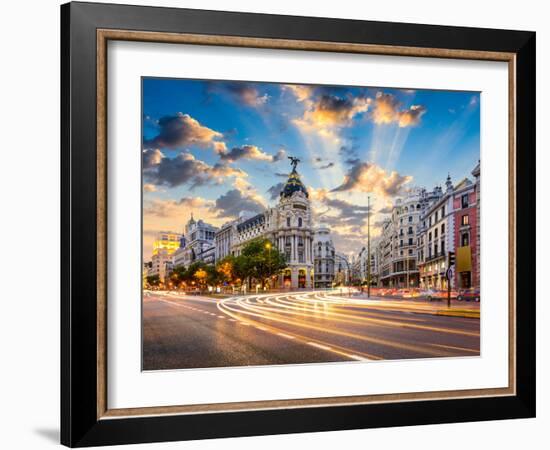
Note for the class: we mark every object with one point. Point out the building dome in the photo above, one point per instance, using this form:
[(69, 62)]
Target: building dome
[(292, 185)]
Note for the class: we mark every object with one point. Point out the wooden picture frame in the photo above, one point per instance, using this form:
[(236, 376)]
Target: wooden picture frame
[(86, 419)]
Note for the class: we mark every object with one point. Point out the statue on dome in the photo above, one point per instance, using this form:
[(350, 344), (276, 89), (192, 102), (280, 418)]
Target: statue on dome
[(293, 162)]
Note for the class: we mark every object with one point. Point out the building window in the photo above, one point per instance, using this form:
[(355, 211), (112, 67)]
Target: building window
[(435, 233), (442, 229), (301, 256), (410, 251), (430, 236), (410, 218), (465, 201), (410, 241), (288, 221), (465, 239), (442, 247), (401, 243), (435, 249), (410, 230), (442, 211), (299, 221), (465, 220), (436, 216)]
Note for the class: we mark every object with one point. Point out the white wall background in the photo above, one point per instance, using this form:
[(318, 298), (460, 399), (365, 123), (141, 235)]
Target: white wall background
[(29, 187)]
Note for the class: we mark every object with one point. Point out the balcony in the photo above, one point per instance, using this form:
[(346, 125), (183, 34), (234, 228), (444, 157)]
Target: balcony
[(435, 256)]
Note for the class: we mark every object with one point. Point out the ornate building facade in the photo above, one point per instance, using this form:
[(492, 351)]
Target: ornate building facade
[(324, 256), (197, 244), (400, 243), (164, 248), (288, 225)]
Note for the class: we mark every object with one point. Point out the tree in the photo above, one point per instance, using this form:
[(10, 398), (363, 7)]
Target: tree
[(200, 276), (178, 275), (189, 275), (259, 260), (226, 270), (212, 275), (153, 280)]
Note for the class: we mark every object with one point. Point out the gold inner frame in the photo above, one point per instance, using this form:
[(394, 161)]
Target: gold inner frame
[(104, 35)]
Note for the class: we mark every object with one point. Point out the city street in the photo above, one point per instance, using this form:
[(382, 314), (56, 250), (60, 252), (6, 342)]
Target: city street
[(189, 331)]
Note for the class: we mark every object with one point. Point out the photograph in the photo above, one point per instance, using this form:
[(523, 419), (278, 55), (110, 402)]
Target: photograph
[(289, 223)]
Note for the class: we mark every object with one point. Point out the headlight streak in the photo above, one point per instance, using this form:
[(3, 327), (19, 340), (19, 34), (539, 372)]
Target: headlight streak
[(342, 351), (347, 318), (241, 309)]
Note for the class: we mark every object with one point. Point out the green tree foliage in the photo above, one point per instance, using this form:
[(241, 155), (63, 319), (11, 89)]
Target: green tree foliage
[(259, 260), (226, 270), (153, 280), (178, 275)]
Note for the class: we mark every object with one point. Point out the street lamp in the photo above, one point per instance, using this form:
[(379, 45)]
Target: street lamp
[(368, 247), (268, 247)]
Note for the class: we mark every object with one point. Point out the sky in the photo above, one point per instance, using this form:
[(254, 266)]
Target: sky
[(216, 148)]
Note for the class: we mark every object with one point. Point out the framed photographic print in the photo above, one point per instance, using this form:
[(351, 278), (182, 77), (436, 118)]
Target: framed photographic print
[(277, 224)]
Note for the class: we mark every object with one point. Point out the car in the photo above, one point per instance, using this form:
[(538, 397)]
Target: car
[(408, 293), (430, 294), (470, 294), (437, 294)]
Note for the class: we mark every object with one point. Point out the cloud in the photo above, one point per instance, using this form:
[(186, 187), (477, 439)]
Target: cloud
[(233, 202), (327, 166), (151, 158), (280, 155), (329, 113), (245, 152), (344, 214), (147, 187), (387, 110), (368, 177), (182, 130), (174, 208), (275, 190), (300, 91), (386, 210), (242, 92), (185, 169), (220, 147), (250, 152)]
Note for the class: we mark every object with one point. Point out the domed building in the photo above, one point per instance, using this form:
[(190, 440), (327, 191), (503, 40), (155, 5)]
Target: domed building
[(292, 232), (288, 225)]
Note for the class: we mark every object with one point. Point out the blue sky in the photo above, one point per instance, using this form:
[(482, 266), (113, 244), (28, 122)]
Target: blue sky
[(214, 147)]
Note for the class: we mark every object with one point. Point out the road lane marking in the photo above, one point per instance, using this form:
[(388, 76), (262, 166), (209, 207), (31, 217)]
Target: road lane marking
[(324, 347), (288, 336), (223, 306), (462, 349)]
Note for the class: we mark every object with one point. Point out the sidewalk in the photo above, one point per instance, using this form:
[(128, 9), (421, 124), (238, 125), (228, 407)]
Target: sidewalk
[(421, 306)]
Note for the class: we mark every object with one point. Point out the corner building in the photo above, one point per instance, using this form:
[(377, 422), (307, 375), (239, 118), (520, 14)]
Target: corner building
[(289, 227)]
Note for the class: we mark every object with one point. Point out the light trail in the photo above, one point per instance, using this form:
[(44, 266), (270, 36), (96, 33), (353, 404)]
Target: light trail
[(348, 318), (233, 307)]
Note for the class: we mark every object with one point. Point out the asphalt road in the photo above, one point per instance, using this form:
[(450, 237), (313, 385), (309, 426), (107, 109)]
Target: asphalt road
[(181, 331)]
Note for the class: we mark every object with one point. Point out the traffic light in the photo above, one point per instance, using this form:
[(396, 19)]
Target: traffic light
[(451, 259)]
